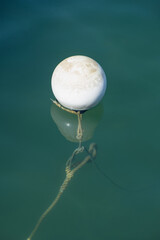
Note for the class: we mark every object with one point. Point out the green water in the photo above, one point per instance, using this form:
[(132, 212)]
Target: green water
[(118, 196)]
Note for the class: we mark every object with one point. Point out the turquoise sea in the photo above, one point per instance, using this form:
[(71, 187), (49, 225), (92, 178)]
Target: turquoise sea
[(116, 196)]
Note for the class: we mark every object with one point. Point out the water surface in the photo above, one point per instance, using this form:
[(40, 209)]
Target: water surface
[(120, 197)]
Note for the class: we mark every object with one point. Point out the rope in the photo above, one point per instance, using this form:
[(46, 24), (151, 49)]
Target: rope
[(69, 172)]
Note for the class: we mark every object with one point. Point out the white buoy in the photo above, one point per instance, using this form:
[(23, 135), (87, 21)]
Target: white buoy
[(78, 83)]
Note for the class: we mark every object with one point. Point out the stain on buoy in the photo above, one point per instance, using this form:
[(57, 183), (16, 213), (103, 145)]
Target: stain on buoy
[(78, 83)]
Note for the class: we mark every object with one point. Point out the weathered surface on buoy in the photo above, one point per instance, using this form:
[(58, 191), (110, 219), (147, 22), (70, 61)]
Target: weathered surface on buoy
[(78, 83)]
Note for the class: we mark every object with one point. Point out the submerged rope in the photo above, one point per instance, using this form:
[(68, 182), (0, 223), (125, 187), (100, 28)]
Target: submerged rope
[(69, 174), (70, 169)]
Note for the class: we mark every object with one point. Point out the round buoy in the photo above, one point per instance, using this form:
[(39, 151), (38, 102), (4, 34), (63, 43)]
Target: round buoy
[(78, 83)]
